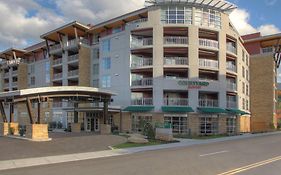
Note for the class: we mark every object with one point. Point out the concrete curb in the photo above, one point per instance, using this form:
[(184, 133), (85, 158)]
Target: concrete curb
[(29, 162)]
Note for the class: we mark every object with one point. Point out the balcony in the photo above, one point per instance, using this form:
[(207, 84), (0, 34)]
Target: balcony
[(231, 104), (144, 42), (57, 62), (57, 76), (175, 101), (71, 44), (230, 48), (207, 63), (55, 48), (173, 61), (177, 40), (73, 73), (138, 21), (73, 58), (142, 102), (208, 43), (138, 62), (231, 67), (208, 103), (231, 86), (142, 82)]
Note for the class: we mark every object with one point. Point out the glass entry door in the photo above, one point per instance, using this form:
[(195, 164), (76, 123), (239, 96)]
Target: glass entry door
[(92, 122)]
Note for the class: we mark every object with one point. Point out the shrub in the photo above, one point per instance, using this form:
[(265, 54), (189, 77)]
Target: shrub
[(12, 131)]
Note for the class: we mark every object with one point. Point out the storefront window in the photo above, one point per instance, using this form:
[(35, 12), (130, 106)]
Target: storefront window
[(209, 125), (179, 124), (231, 125), (176, 15)]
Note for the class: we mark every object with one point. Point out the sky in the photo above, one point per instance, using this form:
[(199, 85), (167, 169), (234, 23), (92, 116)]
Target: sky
[(23, 21)]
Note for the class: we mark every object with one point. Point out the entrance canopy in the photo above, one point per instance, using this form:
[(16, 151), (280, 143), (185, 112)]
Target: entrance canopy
[(74, 94)]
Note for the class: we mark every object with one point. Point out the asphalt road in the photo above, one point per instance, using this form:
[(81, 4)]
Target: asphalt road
[(254, 156)]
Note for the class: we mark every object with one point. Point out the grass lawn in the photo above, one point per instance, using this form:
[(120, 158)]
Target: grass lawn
[(150, 143)]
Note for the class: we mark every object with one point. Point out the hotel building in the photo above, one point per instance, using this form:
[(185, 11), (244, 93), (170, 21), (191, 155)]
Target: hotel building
[(264, 94), (176, 62)]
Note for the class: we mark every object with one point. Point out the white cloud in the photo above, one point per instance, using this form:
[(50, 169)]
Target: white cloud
[(241, 20), (270, 2)]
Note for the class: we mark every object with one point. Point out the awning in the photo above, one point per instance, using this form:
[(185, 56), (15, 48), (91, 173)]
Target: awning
[(237, 111), (212, 110), (179, 109), (139, 108)]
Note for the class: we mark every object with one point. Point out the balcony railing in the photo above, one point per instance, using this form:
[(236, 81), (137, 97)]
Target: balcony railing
[(231, 48), (71, 43), (142, 102), (55, 47), (141, 62), (73, 73), (231, 67), (208, 103), (141, 42), (57, 62), (72, 58), (208, 63), (57, 104), (143, 82), (175, 40), (176, 101), (57, 76), (231, 104), (142, 20), (231, 86), (176, 61), (208, 43)]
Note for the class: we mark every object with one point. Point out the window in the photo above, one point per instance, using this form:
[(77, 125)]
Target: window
[(96, 54), (243, 55), (207, 17), (179, 124), (96, 83), (176, 15), (247, 60), (231, 125), (96, 69), (106, 63), (47, 76), (31, 69), (106, 81), (243, 87), (247, 105), (247, 90), (106, 45), (243, 103), (243, 71), (209, 125), (268, 49), (32, 81), (138, 120), (247, 75)]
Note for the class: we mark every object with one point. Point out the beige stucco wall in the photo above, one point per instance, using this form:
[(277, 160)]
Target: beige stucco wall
[(84, 66), (22, 76)]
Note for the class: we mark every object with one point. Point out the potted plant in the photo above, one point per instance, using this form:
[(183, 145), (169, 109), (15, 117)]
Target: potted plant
[(21, 131)]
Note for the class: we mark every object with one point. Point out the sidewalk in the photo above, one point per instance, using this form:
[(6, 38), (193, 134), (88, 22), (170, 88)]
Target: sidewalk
[(21, 163)]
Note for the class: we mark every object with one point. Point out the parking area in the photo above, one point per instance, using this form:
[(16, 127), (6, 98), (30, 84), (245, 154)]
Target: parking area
[(62, 143)]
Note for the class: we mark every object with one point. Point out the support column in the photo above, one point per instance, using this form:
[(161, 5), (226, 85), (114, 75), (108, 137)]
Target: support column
[(105, 112), (75, 113), (11, 112), (121, 121), (28, 106), (38, 112)]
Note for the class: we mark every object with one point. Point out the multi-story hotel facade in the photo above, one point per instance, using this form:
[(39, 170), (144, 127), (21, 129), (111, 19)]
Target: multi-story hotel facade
[(177, 62)]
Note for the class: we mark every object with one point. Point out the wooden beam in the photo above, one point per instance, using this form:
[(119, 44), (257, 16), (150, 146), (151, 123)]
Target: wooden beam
[(75, 32), (14, 55), (28, 106), (3, 112), (48, 47)]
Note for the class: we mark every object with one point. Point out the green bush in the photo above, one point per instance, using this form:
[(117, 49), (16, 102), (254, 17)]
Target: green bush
[(148, 130)]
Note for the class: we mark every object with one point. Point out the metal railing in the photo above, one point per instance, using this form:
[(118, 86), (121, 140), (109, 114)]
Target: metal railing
[(208, 43), (57, 61), (231, 67), (176, 101), (208, 63), (73, 58), (175, 40), (143, 82), (73, 73), (142, 102), (231, 48), (231, 86), (231, 104), (141, 62), (55, 47), (136, 42), (141, 20), (208, 103), (175, 61), (57, 104), (57, 76)]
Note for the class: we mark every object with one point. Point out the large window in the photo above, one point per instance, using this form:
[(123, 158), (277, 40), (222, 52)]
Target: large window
[(179, 124), (47, 76), (96, 69), (106, 63), (207, 17), (209, 125), (176, 15), (106, 45), (106, 81), (231, 125)]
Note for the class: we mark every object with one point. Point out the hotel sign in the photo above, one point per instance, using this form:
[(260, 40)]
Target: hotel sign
[(193, 84), (12, 62)]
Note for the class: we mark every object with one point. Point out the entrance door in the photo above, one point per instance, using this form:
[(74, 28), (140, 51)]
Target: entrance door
[(96, 124), (88, 124)]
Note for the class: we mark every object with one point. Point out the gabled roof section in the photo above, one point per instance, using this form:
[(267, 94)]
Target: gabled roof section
[(7, 54), (67, 29), (220, 5)]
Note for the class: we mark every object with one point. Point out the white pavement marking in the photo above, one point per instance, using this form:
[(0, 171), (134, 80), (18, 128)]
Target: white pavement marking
[(214, 153)]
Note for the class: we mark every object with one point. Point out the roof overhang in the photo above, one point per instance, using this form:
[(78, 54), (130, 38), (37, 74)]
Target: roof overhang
[(56, 92), (67, 29), (9, 53), (220, 5)]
